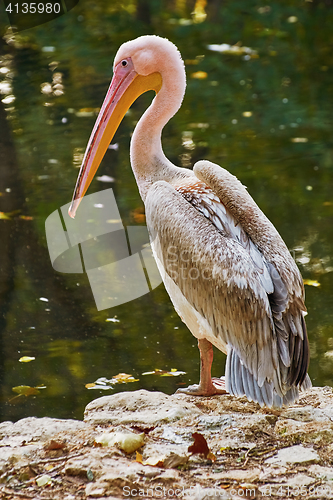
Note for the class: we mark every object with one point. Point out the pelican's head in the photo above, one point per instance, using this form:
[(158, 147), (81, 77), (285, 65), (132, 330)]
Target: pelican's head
[(140, 65)]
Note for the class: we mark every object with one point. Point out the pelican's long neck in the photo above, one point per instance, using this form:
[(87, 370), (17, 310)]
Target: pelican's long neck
[(147, 158)]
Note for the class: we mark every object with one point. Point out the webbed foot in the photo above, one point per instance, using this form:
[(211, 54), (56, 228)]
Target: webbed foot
[(217, 386)]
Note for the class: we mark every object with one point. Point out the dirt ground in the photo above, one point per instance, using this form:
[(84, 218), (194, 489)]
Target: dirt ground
[(240, 450)]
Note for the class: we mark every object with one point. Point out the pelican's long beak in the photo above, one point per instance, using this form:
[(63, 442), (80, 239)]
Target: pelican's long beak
[(126, 86)]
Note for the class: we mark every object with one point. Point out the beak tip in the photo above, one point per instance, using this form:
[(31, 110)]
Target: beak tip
[(72, 210)]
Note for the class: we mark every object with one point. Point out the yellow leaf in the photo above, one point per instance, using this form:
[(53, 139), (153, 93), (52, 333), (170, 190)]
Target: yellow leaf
[(211, 457), (247, 114), (25, 390), (4, 216), (311, 282), (43, 480), (124, 378), (163, 373), (26, 359), (26, 217), (299, 139), (199, 75), (138, 457), (155, 461), (126, 441), (199, 14)]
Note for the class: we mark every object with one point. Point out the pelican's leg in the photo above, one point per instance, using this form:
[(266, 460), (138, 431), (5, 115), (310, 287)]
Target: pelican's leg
[(207, 386)]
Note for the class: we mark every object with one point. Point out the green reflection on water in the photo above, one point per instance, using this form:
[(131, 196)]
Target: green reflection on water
[(267, 119)]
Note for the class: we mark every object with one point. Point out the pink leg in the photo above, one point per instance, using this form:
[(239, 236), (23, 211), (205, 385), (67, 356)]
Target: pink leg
[(207, 386)]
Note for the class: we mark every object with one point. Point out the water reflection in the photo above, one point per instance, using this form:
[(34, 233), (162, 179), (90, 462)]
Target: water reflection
[(266, 119)]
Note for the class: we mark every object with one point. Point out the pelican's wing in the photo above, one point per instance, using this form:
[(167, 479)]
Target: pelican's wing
[(220, 279), (241, 205), (287, 300)]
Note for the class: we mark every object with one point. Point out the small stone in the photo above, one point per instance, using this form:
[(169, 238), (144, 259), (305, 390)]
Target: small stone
[(305, 414), (325, 473), (300, 480), (306, 432), (294, 455), (239, 475), (139, 407), (94, 490)]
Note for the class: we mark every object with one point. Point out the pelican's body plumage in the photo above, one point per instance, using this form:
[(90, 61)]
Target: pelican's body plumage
[(228, 272)]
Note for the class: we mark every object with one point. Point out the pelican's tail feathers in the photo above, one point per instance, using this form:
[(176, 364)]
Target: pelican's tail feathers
[(240, 382), (306, 384)]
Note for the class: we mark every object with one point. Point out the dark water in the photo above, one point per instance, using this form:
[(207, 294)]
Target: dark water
[(264, 115)]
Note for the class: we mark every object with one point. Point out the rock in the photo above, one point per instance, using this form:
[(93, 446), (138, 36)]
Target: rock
[(300, 480), (18, 456), (320, 472), (241, 435), (215, 422), (272, 473), (305, 414), (94, 490), (306, 432), (294, 455), (238, 475), (142, 407), (36, 429)]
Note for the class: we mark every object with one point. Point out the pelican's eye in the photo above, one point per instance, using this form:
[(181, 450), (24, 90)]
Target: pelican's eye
[(124, 62)]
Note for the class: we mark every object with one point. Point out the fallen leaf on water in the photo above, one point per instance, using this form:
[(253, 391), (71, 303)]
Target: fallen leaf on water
[(26, 359), (113, 320), (4, 216), (26, 217), (234, 50), (163, 373), (299, 139), (104, 383), (25, 390), (90, 386), (123, 378), (199, 14), (200, 446), (199, 75), (83, 112), (138, 215), (311, 282)]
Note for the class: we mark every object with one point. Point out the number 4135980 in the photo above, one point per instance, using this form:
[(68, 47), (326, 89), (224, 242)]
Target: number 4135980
[(33, 8)]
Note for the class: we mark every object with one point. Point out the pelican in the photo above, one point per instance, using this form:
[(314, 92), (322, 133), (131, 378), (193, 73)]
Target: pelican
[(225, 267)]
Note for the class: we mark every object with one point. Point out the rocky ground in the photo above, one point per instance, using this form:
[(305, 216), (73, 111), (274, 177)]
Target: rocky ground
[(136, 445)]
